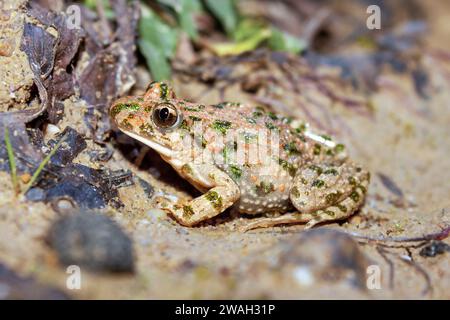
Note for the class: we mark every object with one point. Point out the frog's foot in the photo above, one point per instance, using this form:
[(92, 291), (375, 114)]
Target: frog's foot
[(223, 193), (287, 218), (329, 192)]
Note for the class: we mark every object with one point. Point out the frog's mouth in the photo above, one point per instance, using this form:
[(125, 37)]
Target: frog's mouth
[(161, 149)]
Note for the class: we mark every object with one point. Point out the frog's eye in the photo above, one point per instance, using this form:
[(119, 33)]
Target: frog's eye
[(165, 115)]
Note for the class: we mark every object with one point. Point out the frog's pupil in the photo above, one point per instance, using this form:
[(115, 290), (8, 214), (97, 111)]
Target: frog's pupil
[(164, 113)]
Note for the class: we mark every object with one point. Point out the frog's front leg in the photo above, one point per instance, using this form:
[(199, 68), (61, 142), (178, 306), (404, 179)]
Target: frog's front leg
[(327, 192), (223, 192)]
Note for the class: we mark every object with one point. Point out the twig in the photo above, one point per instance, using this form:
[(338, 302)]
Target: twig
[(444, 233), (12, 161), (42, 165), (382, 253), (428, 287)]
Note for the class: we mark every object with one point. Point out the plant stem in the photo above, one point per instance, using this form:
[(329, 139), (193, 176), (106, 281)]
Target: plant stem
[(12, 161), (42, 165)]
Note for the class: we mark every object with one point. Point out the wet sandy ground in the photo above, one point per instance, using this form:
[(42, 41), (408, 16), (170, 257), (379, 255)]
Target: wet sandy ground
[(406, 145)]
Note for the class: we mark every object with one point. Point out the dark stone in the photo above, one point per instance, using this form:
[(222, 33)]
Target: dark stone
[(434, 248), (84, 194), (92, 241), (36, 194), (332, 255)]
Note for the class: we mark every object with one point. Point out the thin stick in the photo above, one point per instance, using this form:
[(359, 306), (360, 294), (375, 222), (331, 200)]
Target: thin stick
[(42, 165), (12, 161)]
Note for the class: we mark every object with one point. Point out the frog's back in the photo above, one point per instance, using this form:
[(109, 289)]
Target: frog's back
[(262, 157)]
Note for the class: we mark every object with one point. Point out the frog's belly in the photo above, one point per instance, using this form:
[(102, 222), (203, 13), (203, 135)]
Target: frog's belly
[(264, 195)]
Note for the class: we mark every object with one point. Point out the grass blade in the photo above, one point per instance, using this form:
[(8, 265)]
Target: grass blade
[(42, 165), (12, 161)]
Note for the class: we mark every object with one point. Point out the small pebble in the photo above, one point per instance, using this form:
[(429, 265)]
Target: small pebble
[(36, 194)]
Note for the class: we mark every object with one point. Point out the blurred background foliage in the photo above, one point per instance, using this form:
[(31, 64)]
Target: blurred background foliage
[(163, 21)]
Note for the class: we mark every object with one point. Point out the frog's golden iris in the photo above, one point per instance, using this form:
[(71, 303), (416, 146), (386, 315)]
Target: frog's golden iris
[(165, 115)]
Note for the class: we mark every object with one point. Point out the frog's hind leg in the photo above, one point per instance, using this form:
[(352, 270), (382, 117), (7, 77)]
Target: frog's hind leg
[(329, 192), (321, 193)]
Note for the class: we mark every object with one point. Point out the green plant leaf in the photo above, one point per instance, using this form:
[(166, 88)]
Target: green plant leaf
[(185, 10), (157, 42), (225, 12), (247, 28), (282, 41), (12, 161), (235, 48), (43, 164), (156, 60), (92, 4)]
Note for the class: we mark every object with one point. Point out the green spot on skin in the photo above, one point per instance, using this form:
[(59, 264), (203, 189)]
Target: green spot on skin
[(354, 196), (362, 188), (330, 213), (326, 137), (146, 129), (339, 148), (221, 126), (250, 120), (194, 109), (342, 208), (332, 198), (271, 126), (225, 154), (227, 151), (186, 169), (304, 181), (249, 137), (287, 120), (331, 171), (317, 169), (219, 105), (291, 148), (184, 125), (188, 212), (289, 167), (295, 192), (126, 125), (317, 148), (214, 198), (352, 181), (265, 187), (301, 128), (272, 116), (194, 118), (204, 142), (226, 104), (298, 135), (257, 114), (236, 172), (164, 91), (318, 183), (124, 106)]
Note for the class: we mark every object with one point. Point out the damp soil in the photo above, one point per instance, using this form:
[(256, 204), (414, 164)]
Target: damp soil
[(401, 134)]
